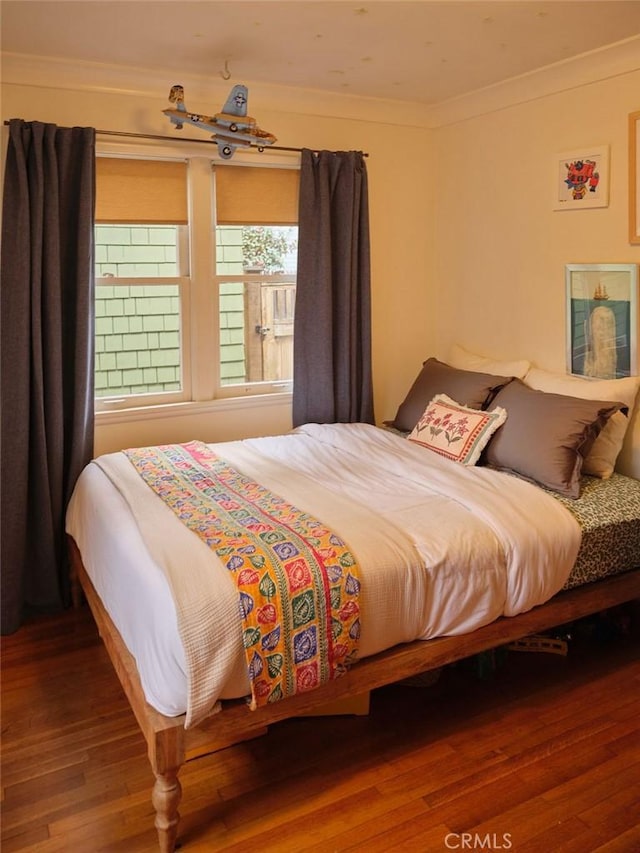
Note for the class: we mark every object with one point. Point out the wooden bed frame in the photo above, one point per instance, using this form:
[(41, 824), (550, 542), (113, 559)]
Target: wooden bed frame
[(170, 745)]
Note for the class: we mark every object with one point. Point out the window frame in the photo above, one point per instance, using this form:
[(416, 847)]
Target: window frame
[(199, 291)]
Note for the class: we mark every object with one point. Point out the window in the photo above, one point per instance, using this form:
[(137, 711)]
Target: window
[(256, 255), (195, 280)]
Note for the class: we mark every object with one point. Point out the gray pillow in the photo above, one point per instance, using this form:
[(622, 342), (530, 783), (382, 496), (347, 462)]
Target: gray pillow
[(546, 436), (466, 387)]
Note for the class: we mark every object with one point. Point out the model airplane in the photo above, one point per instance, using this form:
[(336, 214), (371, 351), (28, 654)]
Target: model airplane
[(232, 128)]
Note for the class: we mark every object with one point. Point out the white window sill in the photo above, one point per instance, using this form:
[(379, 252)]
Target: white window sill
[(177, 410)]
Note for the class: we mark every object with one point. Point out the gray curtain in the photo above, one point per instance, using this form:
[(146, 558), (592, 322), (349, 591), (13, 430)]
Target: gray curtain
[(46, 356), (332, 342)]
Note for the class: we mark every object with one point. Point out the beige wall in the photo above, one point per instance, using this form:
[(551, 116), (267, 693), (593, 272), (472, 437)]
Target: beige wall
[(465, 244), (498, 283)]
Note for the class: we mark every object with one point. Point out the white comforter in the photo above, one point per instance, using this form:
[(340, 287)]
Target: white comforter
[(442, 549)]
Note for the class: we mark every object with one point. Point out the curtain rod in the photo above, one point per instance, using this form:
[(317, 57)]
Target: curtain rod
[(201, 141), (260, 148)]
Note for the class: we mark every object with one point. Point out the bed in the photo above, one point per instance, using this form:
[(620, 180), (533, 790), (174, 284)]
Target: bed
[(431, 544)]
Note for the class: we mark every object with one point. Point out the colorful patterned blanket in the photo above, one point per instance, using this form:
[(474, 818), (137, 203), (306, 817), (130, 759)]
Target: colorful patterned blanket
[(297, 581)]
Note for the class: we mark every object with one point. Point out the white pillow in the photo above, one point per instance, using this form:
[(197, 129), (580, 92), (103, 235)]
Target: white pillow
[(465, 360), (601, 459), (455, 431)]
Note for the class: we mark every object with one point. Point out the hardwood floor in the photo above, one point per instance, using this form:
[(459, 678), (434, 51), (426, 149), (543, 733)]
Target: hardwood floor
[(540, 756)]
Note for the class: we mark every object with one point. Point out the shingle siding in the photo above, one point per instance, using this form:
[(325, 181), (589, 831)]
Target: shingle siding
[(138, 328)]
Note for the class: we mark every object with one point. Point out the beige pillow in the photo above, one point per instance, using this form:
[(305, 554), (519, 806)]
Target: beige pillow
[(546, 437), (465, 360), (601, 459)]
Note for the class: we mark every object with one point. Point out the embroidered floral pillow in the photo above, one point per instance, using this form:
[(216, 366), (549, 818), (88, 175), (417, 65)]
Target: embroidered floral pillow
[(455, 431)]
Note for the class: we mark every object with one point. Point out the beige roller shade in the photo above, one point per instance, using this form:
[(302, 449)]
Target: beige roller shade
[(141, 191), (251, 195)]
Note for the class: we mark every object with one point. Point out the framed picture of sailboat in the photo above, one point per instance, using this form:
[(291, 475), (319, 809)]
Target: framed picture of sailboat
[(602, 320)]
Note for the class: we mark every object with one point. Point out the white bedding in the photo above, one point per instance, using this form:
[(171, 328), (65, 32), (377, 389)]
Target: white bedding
[(442, 549)]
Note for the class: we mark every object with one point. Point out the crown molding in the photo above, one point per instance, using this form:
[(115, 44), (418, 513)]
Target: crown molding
[(55, 73), (617, 59), (605, 63)]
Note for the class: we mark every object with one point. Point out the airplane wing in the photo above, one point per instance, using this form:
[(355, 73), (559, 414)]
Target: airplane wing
[(236, 103)]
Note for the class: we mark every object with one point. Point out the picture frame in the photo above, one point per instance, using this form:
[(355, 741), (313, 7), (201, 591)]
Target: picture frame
[(602, 320), (581, 178), (634, 178)]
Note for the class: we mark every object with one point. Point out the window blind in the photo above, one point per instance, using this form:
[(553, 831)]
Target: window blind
[(251, 195), (141, 191)]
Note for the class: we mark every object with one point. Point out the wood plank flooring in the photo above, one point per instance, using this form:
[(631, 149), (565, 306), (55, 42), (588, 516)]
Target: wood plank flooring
[(540, 756)]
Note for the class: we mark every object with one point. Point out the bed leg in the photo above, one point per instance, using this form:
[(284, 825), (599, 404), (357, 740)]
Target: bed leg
[(167, 792), (74, 580), (76, 593)]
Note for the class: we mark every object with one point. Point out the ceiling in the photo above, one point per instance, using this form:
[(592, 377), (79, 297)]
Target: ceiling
[(420, 52)]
